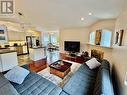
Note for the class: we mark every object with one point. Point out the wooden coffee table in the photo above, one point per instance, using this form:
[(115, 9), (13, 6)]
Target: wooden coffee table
[(60, 68)]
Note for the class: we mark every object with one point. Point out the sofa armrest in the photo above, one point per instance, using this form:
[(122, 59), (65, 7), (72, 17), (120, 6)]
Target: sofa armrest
[(5, 87), (103, 85)]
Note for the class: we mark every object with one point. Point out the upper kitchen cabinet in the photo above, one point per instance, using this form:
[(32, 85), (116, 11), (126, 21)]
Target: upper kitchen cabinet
[(16, 36), (21, 35), (33, 33)]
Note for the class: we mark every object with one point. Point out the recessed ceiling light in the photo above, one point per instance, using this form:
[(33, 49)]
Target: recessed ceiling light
[(82, 19), (90, 14)]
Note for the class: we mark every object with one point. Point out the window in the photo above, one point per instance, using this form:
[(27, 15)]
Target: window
[(92, 38), (53, 39), (46, 39), (105, 38)]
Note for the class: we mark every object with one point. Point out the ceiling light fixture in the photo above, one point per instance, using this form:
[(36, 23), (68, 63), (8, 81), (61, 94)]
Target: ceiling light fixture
[(82, 19), (90, 14)]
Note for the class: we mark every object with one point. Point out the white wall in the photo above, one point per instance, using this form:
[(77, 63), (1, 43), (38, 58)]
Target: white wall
[(104, 24), (120, 53), (75, 34)]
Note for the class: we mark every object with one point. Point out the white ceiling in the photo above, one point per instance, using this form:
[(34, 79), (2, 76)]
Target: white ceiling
[(67, 13)]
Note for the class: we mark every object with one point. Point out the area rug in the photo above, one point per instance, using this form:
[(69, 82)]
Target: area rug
[(57, 80)]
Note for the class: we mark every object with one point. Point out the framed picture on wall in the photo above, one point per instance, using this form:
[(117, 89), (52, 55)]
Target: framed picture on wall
[(119, 37), (98, 37), (3, 34)]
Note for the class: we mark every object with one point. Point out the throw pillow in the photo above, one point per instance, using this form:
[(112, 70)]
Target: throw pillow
[(93, 63), (17, 74)]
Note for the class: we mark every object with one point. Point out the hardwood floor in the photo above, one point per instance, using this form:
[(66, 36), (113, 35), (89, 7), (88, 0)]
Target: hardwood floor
[(39, 65), (24, 59)]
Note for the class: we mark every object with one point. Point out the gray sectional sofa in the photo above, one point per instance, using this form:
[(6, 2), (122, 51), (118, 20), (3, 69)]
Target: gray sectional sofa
[(83, 82)]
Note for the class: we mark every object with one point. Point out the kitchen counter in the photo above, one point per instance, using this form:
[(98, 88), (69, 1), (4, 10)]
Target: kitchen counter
[(37, 47), (20, 49), (18, 46), (6, 51), (3, 48)]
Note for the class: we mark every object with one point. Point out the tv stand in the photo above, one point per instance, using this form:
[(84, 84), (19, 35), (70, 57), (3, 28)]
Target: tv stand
[(71, 54)]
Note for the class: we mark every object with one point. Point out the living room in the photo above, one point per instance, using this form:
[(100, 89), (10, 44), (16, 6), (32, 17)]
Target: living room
[(53, 24)]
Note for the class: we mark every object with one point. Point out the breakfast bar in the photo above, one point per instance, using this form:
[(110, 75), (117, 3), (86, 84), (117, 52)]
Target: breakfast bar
[(38, 59), (37, 53)]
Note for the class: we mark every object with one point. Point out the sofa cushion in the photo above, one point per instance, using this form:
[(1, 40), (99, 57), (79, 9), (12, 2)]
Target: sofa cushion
[(17, 74), (34, 84), (5, 87), (93, 63), (82, 82)]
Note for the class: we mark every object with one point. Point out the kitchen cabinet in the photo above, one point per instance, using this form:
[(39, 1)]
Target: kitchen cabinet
[(14, 36), (19, 50), (12, 48), (24, 49)]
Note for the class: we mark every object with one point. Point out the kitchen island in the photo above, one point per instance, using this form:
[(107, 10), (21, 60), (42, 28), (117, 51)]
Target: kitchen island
[(8, 59), (37, 53), (39, 59)]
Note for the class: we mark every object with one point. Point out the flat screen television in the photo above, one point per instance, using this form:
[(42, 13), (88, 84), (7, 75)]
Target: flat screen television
[(72, 46)]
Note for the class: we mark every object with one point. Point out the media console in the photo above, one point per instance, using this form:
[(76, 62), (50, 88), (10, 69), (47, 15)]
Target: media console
[(78, 59)]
